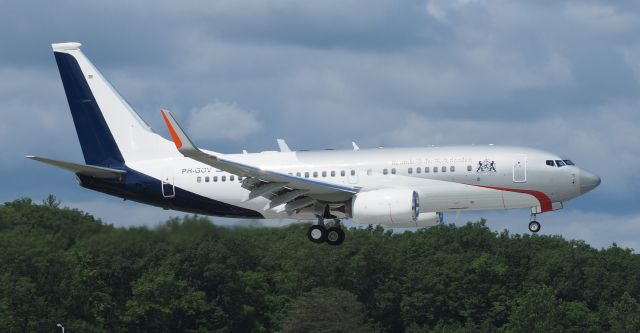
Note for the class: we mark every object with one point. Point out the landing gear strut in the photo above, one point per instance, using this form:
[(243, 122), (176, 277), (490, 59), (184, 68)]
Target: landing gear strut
[(534, 226)]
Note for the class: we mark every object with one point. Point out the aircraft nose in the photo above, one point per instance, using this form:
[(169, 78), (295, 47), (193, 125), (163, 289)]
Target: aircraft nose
[(588, 181)]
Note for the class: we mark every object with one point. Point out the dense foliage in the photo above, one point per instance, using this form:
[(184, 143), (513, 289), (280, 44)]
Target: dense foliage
[(64, 266)]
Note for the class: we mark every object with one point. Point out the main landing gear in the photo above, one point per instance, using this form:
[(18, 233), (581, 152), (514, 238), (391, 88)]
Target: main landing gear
[(534, 226), (319, 233)]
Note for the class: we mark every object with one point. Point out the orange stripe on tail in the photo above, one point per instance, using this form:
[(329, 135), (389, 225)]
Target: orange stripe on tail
[(174, 135)]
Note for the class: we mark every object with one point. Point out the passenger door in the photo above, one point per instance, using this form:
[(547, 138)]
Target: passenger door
[(520, 168)]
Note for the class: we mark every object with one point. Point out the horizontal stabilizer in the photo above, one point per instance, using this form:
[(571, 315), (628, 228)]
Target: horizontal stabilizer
[(82, 169)]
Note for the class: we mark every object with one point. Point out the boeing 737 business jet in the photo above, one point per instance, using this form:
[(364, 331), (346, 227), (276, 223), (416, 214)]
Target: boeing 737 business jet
[(398, 188)]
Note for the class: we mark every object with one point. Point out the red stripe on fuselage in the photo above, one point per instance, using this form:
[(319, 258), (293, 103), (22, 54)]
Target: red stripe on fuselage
[(545, 202)]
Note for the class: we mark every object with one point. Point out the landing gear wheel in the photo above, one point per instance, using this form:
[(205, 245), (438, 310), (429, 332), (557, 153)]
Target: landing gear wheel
[(335, 236), (317, 234), (534, 226)]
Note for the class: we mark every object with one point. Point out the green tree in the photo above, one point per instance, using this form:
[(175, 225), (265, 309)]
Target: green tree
[(327, 310), (624, 316)]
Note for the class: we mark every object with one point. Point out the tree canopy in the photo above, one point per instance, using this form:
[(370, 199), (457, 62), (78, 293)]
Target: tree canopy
[(60, 265)]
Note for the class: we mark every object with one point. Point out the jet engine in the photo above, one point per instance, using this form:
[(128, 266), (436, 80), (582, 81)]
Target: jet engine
[(388, 207), (394, 208)]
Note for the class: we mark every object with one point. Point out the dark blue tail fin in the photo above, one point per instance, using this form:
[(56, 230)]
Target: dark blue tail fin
[(96, 140)]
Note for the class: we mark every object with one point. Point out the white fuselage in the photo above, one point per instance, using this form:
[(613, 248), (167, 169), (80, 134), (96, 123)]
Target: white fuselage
[(447, 178)]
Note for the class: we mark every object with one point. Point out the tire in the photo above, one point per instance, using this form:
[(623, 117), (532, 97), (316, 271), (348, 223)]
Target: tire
[(317, 234), (534, 226), (335, 236)]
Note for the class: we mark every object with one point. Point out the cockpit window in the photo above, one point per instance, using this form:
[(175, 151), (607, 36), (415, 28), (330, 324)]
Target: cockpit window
[(568, 162), (551, 163), (560, 163)]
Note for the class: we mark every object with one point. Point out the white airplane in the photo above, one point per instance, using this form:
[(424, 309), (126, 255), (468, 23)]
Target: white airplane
[(397, 188)]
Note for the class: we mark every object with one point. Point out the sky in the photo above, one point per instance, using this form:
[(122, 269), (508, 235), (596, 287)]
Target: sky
[(562, 76)]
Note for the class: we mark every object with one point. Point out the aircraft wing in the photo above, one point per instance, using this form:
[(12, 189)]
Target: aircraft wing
[(291, 191)]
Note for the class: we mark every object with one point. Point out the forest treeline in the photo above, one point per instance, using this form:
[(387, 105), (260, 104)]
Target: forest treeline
[(59, 265)]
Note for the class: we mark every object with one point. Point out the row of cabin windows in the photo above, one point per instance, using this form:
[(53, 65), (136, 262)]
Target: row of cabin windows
[(315, 174), (343, 173), (216, 178), (426, 170)]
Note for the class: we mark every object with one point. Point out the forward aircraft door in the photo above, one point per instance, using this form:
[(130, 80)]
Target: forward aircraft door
[(519, 168)]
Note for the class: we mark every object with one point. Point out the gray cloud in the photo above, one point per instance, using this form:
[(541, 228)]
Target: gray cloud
[(220, 121)]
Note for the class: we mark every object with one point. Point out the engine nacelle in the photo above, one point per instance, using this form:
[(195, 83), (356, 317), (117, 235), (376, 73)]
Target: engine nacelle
[(428, 219), (388, 207)]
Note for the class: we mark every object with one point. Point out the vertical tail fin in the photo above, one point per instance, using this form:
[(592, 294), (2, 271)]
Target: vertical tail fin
[(110, 132)]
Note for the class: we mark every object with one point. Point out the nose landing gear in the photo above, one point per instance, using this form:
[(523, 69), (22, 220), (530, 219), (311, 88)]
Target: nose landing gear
[(534, 226)]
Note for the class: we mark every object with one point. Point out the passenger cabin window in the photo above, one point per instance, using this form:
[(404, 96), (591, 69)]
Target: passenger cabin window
[(385, 171), (215, 178), (206, 179), (315, 174), (224, 178), (444, 169), (551, 163), (324, 173), (342, 173), (568, 162), (298, 174), (410, 170), (418, 170), (393, 171), (199, 179), (559, 163), (435, 169), (369, 171), (306, 175), (231, 178), (452, 168), (426, 170), (353, 172), (333, 173)]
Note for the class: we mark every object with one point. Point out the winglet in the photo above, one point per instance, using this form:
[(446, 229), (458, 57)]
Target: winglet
[(284, 147), (355, 146), (180, 138)]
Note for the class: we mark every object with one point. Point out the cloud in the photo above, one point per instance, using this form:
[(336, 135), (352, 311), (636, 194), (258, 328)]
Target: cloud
[(220, 121), (600, 18)]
